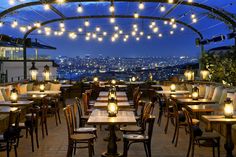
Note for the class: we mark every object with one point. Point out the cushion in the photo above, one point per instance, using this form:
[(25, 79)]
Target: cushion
[(217, 94), (207, 90), (55, 87), (36, 88), (211, 92), (47, 86), (6, 98), (202, 89), (29, 86), (23, 89), (223, 96), (1, 96), (8, 90)]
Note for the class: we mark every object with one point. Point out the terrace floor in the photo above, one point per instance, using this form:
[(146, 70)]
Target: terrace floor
[(55, 144)]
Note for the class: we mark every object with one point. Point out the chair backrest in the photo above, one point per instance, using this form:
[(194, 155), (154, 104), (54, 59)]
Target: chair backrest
[(189, 121), (85, 103), (145, 113), (69, 120), (150, 125)]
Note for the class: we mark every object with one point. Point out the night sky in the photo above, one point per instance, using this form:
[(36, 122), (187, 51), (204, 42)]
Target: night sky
[(178, 44)]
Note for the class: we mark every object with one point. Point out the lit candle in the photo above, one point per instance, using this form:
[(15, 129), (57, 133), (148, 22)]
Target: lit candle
[(228, 108), (172, 87)]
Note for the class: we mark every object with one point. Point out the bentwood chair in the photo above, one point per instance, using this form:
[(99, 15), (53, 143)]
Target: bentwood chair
[(197, 137), (54, 108), (162, 105), (74, 138), (31, 125), (140, 127), (11, 135), (144, 138), (85, 104), (83, 118)]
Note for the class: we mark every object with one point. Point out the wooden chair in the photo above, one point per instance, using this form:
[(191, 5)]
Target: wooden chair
[(83, 118), (54, 108), (11, 135), (144, 138), (85, 104), (74, 138), (140, 127), (44, 107), (196, 136), (162, 105), (31, 125)]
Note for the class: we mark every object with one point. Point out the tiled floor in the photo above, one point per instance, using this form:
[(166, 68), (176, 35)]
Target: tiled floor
[(55, 144)]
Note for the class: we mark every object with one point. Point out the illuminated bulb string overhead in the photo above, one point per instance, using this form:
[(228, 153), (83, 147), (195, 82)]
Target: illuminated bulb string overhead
[(141, 6), (79, 8)]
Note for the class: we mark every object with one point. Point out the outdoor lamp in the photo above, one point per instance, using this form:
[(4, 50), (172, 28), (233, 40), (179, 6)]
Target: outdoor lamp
[(228, 108), (41, 87), (189, 75), (95, 79), (172, 87), (46, 73), (133, 79), (112, 108), (33, 72), (113, 81), (14, 95), (204, 74), (195, 93)]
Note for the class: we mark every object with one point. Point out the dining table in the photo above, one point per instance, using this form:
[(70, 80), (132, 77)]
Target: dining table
[(7, 109), (220, 119), (16, 104), (46, 92), (169, 92), (100, 117), (190, 101), (118, 94), (103, 105), (105, 99)]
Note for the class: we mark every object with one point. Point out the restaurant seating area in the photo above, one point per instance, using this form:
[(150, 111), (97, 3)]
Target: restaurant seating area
[(145, 119)]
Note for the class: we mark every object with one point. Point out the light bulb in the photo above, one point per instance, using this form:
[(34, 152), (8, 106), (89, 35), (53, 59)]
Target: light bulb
[(86, 23), (111, 8), (137, 38), (29, 27), (87, 38), (104, 33), (170, 1), (149, 37), (37, 24), (60, 1), (141, 33), (116, 35), (194, 20), (155, 29), (80, 30), (116, 28), (162, 8), (133, 33), (72, 35), (23, 29), (120, 32), (136, 15), (98, 29), (182, 28), (172, 20), (190, 1), (125, 39), (160, 35), (174, 26), (165, 22), (62, 25), (11, 2), (79, 8), (135, 26), (100, 39), (1, 23), (112, 20), (46, 6), (113, 39), (171, 32), (39, 31), (141, 6), (94, 35)]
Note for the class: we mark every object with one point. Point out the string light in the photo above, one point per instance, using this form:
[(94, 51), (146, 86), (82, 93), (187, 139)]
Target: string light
[(125, 39), (88, 34), (165, 22), (141, 6), (79, 8), (14, 24), (194, 20), (23, 29), (155, 29), (37, 24), (133, 33), (112, 8), (137, 38), (135, 26), (46, 6), (86, 23), (171, 32), (170, 1), (63, 29), (162, 8), (56, 33), (153, 23), (116, 28), (1, 24), (112, 20), (39, 31), (190, 1), (98, 29), (104, 33), (141, 33), (116, 35), (182, 28), (193, 16), (87, 38), (11, 2), (113, 39), (172, 20), (160, 35), (94, 35), (60, 1), (100, 39), (62, 24), (127, 36), (80, 30), (174, 26), (120, 32), (150, 26), (72, 35), (136, 15), (29, 27), (149, 37), (48, 33)]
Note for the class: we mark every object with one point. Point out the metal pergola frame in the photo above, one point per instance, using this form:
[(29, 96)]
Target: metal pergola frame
[(227, 19)]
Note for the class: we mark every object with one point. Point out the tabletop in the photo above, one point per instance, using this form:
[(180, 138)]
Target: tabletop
[(104, 104), (7, 109), (101, 117), (105, 99), (18, 103), (218, 119), (136, 82), (45, 92), (118, 94), (119, 86), (156, 86), (66, 85), (32, 97), (204, 108), (190, 101), (177, 92)]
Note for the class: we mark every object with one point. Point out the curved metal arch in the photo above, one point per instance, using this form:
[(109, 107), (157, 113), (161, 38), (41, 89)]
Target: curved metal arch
[(115, 16), (202, 6)]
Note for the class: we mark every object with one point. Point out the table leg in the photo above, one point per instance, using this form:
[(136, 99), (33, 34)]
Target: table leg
[(229, 145), (112, 146)]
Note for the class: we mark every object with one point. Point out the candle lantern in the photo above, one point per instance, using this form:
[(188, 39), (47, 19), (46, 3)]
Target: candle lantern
[(95, 79), (195, 93), (14, 95), (112, 94), (133, 79), (33, 72), (46, 73), (112, 108), (172, 87), (41, 87), (228, 108), (204, 74), (113, 82), (189, 75)]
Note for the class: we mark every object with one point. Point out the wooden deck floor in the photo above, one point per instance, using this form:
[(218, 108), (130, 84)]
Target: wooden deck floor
[(55, 144)]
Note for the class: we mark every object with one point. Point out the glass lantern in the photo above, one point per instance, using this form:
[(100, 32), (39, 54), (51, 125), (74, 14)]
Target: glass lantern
[(95, 79), (133, 79), (204, 74), (172, 87), (42, 87), (195, 93), (46, 73), (112, 108), (113, 82), (33, 72), (189, 75), (228, 108), (14, 95)]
